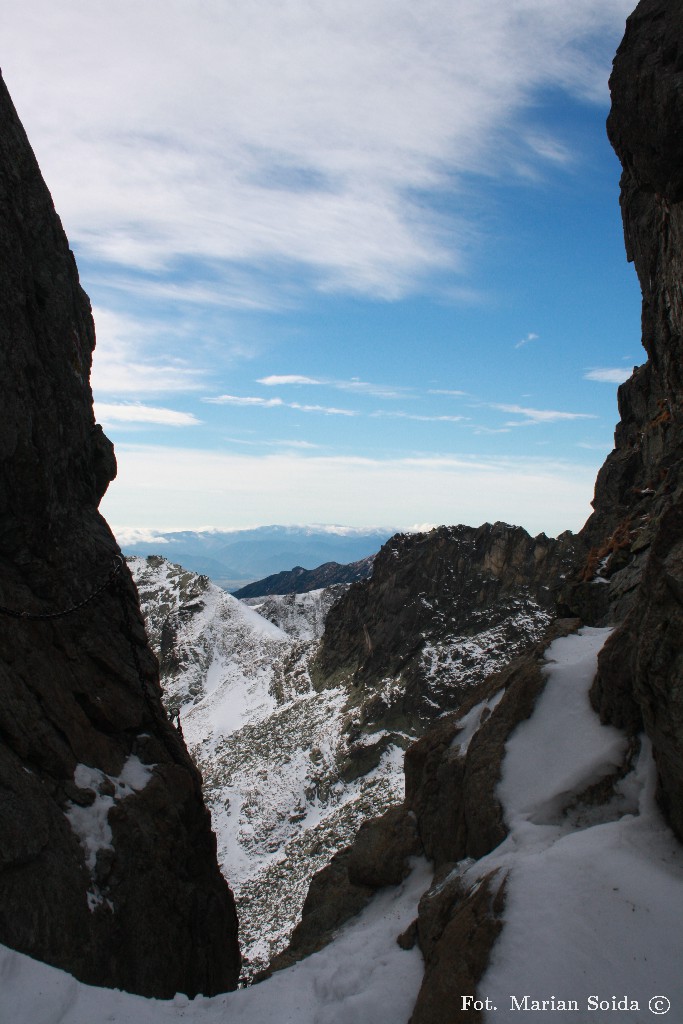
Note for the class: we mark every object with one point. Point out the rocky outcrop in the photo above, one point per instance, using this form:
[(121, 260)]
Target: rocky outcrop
[(451, 812), (639, 491), (642, 477), (107, 860), (301, 581), (441, 611), (456, 929)]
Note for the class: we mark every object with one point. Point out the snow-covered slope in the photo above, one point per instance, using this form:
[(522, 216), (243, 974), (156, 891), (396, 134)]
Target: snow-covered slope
[(593, 906), (271, 749), (364, 977), (292, 767), (301, 616), (594, 893)]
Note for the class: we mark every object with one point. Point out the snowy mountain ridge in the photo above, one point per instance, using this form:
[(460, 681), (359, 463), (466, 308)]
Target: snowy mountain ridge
[(292, 765), (270, 747)]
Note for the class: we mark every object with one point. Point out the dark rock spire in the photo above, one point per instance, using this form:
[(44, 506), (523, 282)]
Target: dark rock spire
[(639, 492), (107, 858)]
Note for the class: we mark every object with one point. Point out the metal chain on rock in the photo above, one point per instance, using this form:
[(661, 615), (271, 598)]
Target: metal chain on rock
[(117, 565)]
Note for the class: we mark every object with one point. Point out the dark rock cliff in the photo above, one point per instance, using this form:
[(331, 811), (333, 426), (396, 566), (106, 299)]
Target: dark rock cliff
[(639, 491), (107, 858), (643, 475), (431, 593)]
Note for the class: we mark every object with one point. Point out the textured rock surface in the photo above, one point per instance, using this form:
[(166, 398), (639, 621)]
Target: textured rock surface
[(639, 491), (144, 906), (442, 611), (456, 930), (643, 476)]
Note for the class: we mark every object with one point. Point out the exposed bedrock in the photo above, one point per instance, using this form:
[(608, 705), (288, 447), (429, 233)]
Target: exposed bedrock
[(639, 491), (439, 588), (107, 858)]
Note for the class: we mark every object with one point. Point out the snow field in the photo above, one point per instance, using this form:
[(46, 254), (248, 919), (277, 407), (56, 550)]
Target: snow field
[(595, 900)]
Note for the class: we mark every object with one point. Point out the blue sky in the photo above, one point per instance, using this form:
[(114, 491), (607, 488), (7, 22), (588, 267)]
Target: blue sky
[(354, 263)]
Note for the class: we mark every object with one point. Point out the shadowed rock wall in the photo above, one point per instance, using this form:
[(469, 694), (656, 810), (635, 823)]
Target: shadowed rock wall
[(143, 907), (640, 488)]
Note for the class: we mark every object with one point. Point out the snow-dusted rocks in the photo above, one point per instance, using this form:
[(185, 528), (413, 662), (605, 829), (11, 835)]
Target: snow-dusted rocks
[(441, 611), (89, 818), (569, 916), (270, 747), (294, 764)]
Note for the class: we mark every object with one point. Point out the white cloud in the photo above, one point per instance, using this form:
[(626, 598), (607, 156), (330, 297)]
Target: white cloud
[(120, 366), (329, 410), (296, 139), (288, 378), (609, 375), (525, 341), (416, 416), (255, 401), (540, 415), (245, 400), (358, 386), (278, 443), (159, 486), (107, 413)]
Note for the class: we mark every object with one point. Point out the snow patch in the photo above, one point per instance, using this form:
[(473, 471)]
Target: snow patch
[(91, 823), (470, 722), (363, 976)]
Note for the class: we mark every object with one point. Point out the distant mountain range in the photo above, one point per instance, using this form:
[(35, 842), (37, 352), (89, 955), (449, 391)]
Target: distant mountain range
[(302, 581), (234, 558)]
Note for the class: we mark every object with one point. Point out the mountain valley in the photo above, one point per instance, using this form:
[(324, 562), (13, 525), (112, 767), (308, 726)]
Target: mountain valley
[(431, 790), (294, 759)]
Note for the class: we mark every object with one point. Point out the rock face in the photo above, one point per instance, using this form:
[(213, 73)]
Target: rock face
[(441, 611), (107, 859), (639, 492), (643, 476)]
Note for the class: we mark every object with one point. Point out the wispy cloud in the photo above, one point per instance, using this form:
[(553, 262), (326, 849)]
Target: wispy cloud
[(275, 380), (447, 391), (274, 443), (532, 416), (294, 140), (525, 341), (330, 410), (255, 401), (416, 416), (121, 367), (132, 413), (608, 375), (361, 387)]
